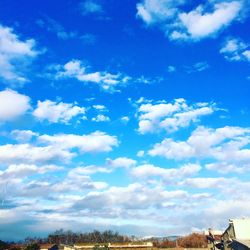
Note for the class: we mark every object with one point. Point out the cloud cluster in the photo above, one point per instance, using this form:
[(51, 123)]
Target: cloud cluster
[(171, 116), (14, 105), (205, 20), (149, 171), (227, 147), (235, 49)]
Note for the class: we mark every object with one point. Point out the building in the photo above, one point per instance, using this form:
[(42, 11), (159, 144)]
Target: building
[(237, 235), (48, 247)]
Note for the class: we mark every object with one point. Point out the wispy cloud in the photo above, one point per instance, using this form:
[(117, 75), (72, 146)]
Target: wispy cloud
[(109, 82), (197, 67), (90, 7), (55, 27)]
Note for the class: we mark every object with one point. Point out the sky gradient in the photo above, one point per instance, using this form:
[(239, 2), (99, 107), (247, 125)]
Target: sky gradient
[(125, 115)]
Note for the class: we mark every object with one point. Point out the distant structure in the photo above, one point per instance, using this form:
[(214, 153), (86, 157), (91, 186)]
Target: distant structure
[(235, 237), (48, 247), (213, 237)]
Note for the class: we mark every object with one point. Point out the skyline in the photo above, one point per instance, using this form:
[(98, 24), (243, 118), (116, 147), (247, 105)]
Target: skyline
[(124, 115)]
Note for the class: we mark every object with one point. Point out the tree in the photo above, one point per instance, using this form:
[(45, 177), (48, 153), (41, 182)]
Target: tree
[(194, 240), (3, 245)]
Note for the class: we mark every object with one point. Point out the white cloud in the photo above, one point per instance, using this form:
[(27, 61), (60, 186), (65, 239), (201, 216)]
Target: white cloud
[(224, 144), (76, 69), (101, 118), (171, 116), (57, 112), (201, 182), (24, 170), (200, 24), (13, 54), (94, 142), (204, 21), (13, 105), (235, 50)]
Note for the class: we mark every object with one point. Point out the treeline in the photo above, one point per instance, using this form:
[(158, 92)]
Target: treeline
[(194, 240), (68, 237)]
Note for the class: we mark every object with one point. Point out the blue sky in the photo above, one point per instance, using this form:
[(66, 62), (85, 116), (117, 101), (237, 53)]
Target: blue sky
[(124, 115)]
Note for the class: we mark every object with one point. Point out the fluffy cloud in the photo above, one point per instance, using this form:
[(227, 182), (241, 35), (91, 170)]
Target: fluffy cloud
[(227, 167), (28, 154), (13, 54), (57, 112), (199, 23), (153, 12), (94, 142), (121, 162), (235, 50), (170, 116), (23, 135), (78, 180), (92, 169), (223, 144), (24, 170), (75, 69), (54, 148), (204, 21), (13, 105)]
